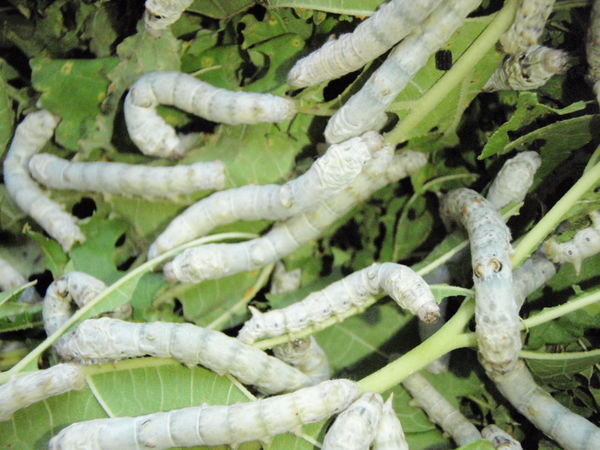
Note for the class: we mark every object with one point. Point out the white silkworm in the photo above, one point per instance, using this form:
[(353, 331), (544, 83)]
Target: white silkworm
[(390, 435), (376, 35), (496, 313), (528, 70), (533, 274), (514, 179), (283, 281), (569, 430), (584, 244), (213, 261), (329, 174), (34, 387), (500, 438), (363, 111), (10, 278), (112, 339), (440, 411), (155, 137), (355, 428), (212, 425), (127, 179), (30, 136), (307, 356), (344, 297), (528, 26), (161, 14)]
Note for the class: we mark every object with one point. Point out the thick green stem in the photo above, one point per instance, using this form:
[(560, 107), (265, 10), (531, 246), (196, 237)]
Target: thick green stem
[(461, 69), (550, 221)]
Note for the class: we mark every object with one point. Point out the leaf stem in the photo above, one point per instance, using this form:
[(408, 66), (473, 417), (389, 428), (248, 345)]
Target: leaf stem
[(440, 90), (550, 221)]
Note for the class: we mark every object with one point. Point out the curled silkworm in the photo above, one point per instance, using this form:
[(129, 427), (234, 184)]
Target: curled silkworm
[(584, 244), (390, 435), (112, 339), (388, 25), (533, 274), (10, 278), (36, 386), (127, 179), (160, 14), (355, 428), (528, 26), (343, 297), (213, 425), (213, 261), (440, 411), (528, 70), (331, 173), (363, 111), (592, 46), (500, 438), (569, 430), (307, 356), (154, 136), (496, 312), (30, 136), (514, 179)]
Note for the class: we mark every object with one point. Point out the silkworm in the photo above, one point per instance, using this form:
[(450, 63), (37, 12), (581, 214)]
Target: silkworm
[(30, 137), (496, 313), (390, 435), (307, 356), (364, 109), (528, 70), (113, 339), (533, 274), (569, 430), (440, 411), (36, 386), (10, 278), (528, 26), (213, 425), (355, 428), (344, 297), (514, 179), (283, 281), (376, 35), (213, 261), (584, 244), (331, 173), (127, 179), (155, 137), (500, 438), (161, 14)]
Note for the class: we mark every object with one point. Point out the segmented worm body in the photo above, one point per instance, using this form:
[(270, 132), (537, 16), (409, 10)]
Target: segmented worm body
[(307, 356), (569, 430), (36, 386), (528, 70), (331, 173), (155, 137), (30, 137), (364, 110), (390, 435), (528, 26), (343, 297), (213, 425), (219, 260), (376, 35), (440, 411), (514, 179), (112, 339), (127, 179), (584, 244), (534, 273), (496, 313), (161, 14), (355, 428), (500, 438)]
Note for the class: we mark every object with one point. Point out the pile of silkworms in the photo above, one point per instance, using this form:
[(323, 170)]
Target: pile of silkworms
[(358, 162)]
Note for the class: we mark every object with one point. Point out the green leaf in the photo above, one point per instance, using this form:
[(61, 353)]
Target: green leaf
[(15, 315), (482, 444), (6, 115), (219, 9), (360, 8), (413, 228), (274, 24), (554, 367), (54, 257)]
